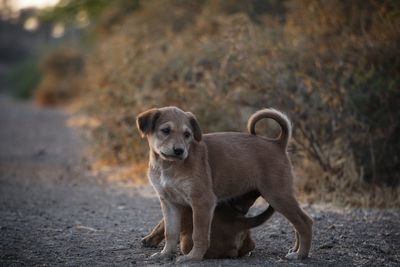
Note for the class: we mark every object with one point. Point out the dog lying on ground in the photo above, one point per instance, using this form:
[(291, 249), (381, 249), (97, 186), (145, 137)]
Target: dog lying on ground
[(230, 236), (187, 168)]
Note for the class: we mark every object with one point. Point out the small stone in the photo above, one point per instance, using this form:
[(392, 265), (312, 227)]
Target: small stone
[(326, 246), (385, 248), (318, 217)]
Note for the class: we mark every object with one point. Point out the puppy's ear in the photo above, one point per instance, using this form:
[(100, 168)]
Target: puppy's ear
[(146, 121), (195, 126)]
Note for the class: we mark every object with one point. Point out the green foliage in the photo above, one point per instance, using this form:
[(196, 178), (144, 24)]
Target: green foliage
[(24, 77)]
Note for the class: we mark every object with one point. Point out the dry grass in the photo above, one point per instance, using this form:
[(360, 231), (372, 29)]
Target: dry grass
[(130, 175), (331, 67), (314, 185)]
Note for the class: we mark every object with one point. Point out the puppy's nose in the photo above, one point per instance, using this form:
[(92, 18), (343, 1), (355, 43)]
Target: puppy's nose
[(178, 151)]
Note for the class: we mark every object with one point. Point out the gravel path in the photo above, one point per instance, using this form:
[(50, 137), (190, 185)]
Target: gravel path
[(53, 213)]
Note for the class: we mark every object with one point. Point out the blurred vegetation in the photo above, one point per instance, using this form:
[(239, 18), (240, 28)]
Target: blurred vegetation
[(24, 77), (62, 67), (332, 66), (80, 13), (63, 70)]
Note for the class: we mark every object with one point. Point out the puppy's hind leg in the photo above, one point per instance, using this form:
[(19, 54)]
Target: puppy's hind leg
[(296, 246), (155, 237), (288, 206), (302, 223)]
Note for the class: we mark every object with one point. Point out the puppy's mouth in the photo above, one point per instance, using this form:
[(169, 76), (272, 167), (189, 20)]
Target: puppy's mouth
[(171, 157)]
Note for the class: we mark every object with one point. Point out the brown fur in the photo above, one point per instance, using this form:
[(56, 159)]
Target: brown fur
[(214, 167), (229, 238)]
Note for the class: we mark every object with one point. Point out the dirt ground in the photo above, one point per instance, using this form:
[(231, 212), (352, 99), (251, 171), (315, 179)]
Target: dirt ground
[(54, 213)]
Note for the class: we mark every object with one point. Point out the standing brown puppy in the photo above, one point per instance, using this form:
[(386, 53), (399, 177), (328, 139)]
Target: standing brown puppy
[(188, 168)]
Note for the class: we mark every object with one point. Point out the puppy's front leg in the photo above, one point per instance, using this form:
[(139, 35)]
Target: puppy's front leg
[(203, 211), (172, 219)]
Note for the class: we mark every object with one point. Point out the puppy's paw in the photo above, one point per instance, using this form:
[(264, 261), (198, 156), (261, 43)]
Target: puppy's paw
[(161, 255), (295, 256), (292, 256), (156, 255), (187, 258), (149, 242)]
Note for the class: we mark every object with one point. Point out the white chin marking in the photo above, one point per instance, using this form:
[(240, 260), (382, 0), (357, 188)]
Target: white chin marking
[(169, 158)]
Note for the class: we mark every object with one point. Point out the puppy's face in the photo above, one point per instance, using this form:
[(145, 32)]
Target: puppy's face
[(170, 131)]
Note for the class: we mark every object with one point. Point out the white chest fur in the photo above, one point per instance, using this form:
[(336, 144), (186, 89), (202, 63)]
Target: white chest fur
[(173, 188)]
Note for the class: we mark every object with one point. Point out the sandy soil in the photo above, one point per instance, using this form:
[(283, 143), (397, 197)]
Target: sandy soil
[(54, 213)]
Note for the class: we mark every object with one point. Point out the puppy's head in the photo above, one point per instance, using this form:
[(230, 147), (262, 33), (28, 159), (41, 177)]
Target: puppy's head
[(170, 131)]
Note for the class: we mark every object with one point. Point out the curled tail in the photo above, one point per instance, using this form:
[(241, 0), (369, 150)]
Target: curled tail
[(279, 117), (251, 222)]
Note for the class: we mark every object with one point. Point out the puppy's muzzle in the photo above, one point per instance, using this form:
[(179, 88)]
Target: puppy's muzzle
[(178, 152)]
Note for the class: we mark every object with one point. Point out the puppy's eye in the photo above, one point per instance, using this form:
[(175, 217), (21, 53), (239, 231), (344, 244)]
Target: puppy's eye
[(186, 134), (166, 131)]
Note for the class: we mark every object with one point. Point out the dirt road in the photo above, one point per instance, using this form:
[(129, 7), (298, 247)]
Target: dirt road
[(53, 213)]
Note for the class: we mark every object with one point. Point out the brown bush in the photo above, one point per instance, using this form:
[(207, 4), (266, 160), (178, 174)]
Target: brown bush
[(330, 66), (62, 77)]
